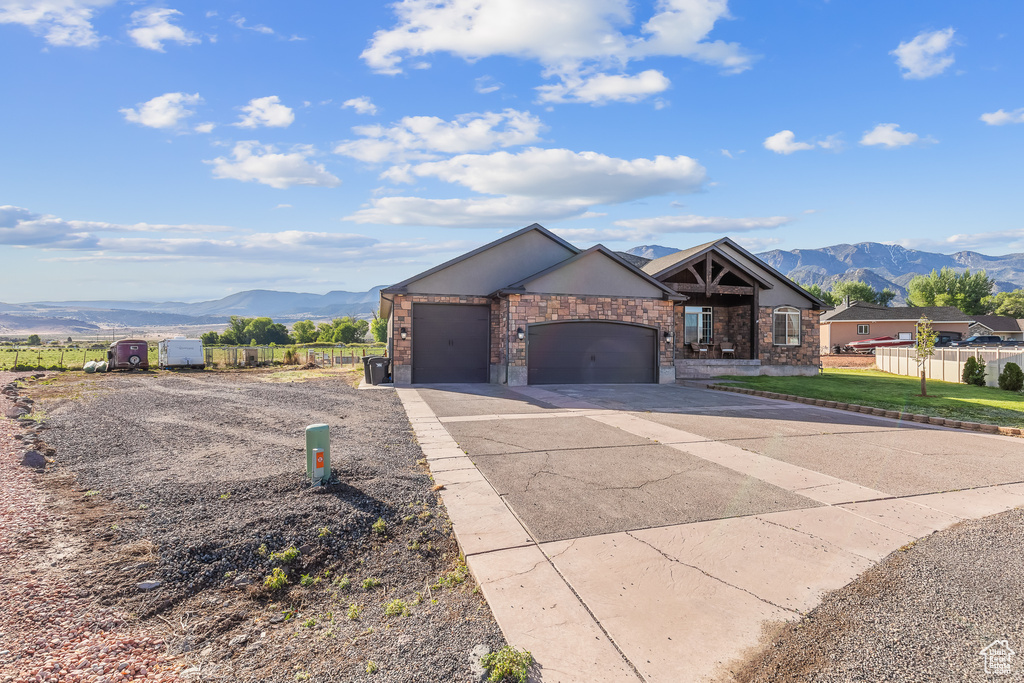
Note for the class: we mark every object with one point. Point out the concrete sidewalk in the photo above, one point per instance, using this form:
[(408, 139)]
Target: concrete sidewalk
[(626, 533)]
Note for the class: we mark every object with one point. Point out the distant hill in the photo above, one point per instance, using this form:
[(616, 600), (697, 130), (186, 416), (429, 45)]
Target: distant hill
[(81, 316), (879, 265)]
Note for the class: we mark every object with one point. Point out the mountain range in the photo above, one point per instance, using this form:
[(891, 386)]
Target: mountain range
[(879, 265)]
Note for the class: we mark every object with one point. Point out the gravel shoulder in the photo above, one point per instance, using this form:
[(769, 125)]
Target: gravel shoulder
[(179, 493), (922, 614)]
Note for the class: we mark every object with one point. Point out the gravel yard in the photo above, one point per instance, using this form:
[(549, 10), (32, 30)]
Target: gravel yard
[(922, 614), (172, 496)]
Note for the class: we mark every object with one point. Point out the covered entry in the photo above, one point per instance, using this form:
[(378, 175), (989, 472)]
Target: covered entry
[(592, 353), (450, 343)]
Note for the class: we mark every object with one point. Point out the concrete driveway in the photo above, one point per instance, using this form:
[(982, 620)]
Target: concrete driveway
[(647, 532)]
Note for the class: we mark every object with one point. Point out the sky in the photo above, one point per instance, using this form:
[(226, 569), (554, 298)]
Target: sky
[(185, 150)]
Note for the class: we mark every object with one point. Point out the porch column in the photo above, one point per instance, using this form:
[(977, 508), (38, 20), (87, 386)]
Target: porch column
[(755, 332)]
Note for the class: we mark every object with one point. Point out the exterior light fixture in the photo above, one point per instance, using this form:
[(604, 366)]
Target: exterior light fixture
[(668, 337), (520, 333), (403, 333)]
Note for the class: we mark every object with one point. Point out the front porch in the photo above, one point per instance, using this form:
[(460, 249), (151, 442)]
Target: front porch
[(704, 368)]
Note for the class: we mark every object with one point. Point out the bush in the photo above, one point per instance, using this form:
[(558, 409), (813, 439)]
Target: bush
[(507, 664), (974, 372), (1011, 378)]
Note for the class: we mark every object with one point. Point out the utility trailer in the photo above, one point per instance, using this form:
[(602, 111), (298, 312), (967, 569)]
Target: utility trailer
[(181, 353), (128, 354)]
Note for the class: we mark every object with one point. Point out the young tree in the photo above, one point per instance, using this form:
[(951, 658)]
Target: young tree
[(34, 340), (209, 338), (856, 290), (379, 327), (925, 347), (305, 331), (946, 287), (814, 290)]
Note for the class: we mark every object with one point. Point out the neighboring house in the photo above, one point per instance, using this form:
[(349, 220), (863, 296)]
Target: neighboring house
[(1009, 329), (530, 308), (858, 320)]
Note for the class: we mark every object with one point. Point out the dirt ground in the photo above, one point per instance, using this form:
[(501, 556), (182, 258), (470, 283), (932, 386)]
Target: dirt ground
[(848, 360), (177, 494)]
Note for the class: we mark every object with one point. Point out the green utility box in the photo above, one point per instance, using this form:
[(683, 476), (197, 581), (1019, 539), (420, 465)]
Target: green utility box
[(318, 453)]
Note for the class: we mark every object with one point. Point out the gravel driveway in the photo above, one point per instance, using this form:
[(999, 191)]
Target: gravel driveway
[(195, 480)]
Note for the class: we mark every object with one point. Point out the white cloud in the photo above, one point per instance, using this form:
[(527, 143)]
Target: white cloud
[(925, 55), (424, 137), (362, 105), (532, 185), (62, 23), (756, 244), (266, 111), (251, 161), (886, 135), (239, 21), (152, 27), (573, 40), (1000, 118), (603, 88), (206, 127), (638, 229), (486, 84), (784, 142), (1002, 240), (165, 111)]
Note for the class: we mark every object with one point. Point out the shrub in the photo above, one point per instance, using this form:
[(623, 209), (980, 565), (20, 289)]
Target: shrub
[(507, 663), (380, 527), (974, 372), (277, 579), (285, 556), (1011, 378), (396, 608)]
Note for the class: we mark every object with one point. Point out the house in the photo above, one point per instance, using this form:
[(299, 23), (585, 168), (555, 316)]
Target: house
[(1009, 329), (858, 320), (530, 308)]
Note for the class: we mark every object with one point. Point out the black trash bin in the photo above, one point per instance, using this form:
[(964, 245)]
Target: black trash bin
[(379, 370), (366, 367)]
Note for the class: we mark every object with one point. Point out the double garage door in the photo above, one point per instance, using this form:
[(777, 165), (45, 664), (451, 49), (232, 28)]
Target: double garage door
[(451, 343)]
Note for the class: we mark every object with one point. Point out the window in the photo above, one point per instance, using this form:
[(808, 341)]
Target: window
[(863, 329), (787, 326), (697, 324), (905, 336)]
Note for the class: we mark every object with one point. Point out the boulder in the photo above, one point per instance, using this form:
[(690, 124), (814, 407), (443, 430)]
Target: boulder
[(34, 459), (147, 586)]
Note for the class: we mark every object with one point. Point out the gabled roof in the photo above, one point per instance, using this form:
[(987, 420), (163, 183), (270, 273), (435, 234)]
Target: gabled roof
[(858, 311), (400, 287), (997, 323), (523, 285), (663, 265)]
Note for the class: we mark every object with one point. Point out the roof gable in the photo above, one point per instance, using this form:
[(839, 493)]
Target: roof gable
[(597, 271), (997, 323), (858, 311), (487, 268)]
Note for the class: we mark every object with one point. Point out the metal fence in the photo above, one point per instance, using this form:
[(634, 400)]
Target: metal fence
[(947, 365)]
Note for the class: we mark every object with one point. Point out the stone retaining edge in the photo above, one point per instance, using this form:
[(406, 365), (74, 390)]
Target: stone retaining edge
[(868, 410)]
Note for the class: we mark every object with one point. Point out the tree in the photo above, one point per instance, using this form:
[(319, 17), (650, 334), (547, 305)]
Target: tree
[(209, 338), (925, 346), (964, 290), (814, 290), (379, 327), (345, 333), (305, 331), (856, 290), (34, 340), (1010, 304), (256, 330)]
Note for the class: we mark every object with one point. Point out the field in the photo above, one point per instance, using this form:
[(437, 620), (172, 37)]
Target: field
[(894, 392), (49, 358), (195, 482)]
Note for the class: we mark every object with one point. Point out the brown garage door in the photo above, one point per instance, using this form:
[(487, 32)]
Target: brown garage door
[(591, 353), (450, 343)]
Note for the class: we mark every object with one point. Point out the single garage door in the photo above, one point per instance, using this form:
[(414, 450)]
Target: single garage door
[(450, 343), (591, 353)]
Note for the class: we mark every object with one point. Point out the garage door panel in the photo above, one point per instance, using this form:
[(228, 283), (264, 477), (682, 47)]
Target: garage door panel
[(591, 353), (451, 343)]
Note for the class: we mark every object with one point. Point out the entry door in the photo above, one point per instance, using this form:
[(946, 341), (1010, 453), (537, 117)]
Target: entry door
[(591, 353), (450, 343)]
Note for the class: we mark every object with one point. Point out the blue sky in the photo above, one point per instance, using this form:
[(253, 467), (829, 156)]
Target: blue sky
[(185, 151)]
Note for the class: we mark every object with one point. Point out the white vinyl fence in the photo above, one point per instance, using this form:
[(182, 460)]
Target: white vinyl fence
[(947, 365)]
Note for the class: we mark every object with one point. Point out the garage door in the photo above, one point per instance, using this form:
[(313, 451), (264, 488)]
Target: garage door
[(591, 353), (450, 343)]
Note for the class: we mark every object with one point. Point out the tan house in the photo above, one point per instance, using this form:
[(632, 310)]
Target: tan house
[(858, 320), (1009, 329), (530, 308)]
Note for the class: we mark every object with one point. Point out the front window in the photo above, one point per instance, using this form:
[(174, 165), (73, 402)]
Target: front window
[(863, 329), (697, 325), (787, 326)]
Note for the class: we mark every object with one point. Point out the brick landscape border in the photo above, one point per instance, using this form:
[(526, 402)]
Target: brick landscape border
[(880, 412)]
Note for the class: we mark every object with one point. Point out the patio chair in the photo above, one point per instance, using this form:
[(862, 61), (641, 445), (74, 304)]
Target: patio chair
[(699, 349), (727, 347)]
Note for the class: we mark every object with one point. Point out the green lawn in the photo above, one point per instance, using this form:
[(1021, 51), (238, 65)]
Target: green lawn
[(894, 392), (42, 358)]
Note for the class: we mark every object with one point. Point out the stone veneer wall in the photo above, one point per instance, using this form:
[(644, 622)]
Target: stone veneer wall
[(402, 348), (729, 322), (809, 351), (525, 309)]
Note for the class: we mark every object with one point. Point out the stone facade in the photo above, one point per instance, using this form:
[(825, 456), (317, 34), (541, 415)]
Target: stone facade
[(809, 351), (402, 348), (730, 323)]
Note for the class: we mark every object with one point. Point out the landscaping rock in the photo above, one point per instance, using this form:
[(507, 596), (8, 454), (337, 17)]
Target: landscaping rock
[(34, 459), (147, 586), (476, 668)]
